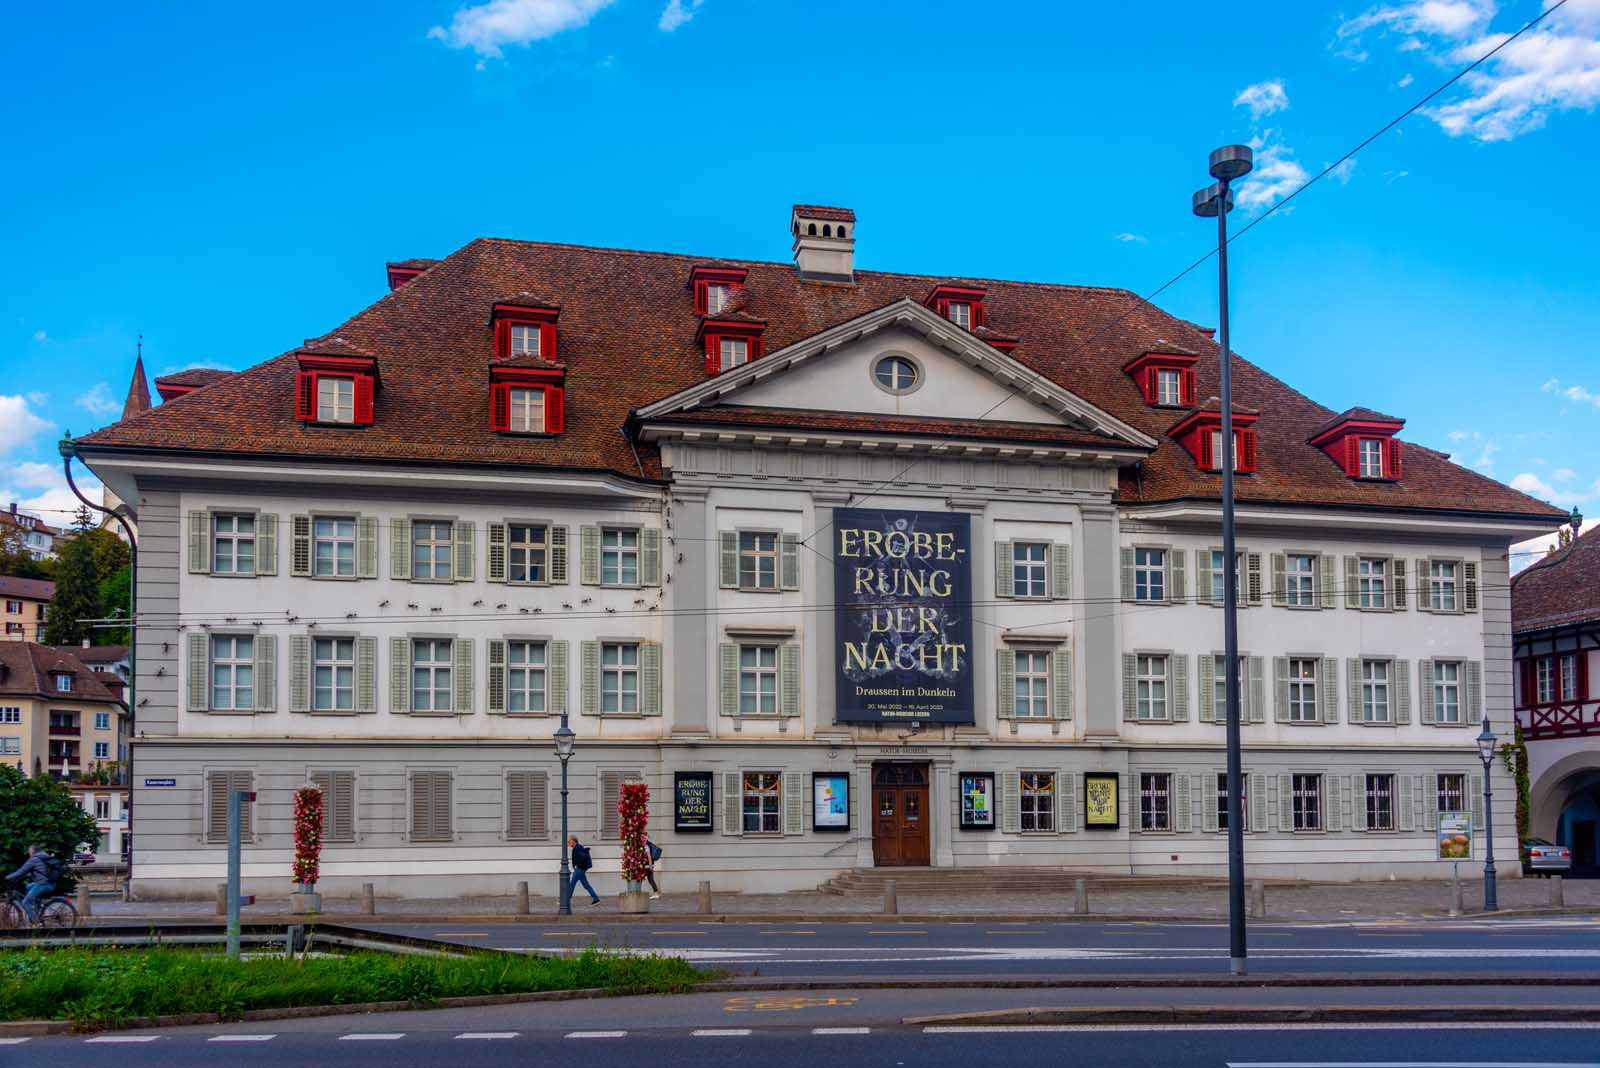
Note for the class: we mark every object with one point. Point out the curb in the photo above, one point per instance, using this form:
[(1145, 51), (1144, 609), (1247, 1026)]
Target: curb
[(1172, 1015)]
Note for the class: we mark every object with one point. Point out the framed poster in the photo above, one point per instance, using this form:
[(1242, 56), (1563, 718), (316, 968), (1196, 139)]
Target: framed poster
[(1455, 836), (691, 801), (977, 800), (1100, 800), (830, 801)]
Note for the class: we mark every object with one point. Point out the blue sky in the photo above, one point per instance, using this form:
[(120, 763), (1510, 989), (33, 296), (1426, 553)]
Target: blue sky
[(229, 179)]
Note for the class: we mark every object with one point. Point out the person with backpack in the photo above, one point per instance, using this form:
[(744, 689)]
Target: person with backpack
[(653, 851), (581, 863), (42, 871)]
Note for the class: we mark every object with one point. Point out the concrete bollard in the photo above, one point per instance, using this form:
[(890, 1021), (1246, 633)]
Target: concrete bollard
[(369, 904), (891, 900), (83, 900), (1457, 907), (704, 894), (522, 898), (1080, 897), (1258, 899), (1558, 896), (222, 899)]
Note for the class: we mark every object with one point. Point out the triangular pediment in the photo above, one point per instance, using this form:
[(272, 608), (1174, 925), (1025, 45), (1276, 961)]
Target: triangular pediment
[(959, 378)]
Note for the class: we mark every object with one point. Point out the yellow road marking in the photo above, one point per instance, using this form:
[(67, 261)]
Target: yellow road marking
[(678, 932), (782, 1003), (461, 934), (785, 931), (565, 934), (897, 931)]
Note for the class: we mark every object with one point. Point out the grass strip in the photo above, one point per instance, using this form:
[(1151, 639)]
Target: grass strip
[(103, 986)]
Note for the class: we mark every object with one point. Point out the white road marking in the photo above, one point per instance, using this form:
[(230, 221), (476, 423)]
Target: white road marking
[(123, 1038), (597, 1034), (488, 1035), (241, 1038), (12, 1041), (375, 1036), (721, 1032), (991, 1029), (841, 1030)]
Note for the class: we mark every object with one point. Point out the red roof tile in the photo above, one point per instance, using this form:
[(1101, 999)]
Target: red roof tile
[(819, 211), (1563, 587), (195, 377), (28, 669), (26, 588)]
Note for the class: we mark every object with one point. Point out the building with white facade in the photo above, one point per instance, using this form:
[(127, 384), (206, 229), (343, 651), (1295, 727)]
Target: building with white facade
[(850, 567)]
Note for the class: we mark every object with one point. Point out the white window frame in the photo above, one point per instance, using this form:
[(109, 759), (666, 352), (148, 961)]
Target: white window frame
[(1300, 586), (525, 410), (1030, 572), (11, 745), (432, 674), (1215, 577), (716, 297), (1444, 586), (765, 788), (1380, 789), (235, 538), (1031, 684), (758, 679), (901, 377), (334, 659), (1369, 463), (1221, 801), (1372, 582), (341, 545), (527, 549), (527, 677), (1169, 386), (1303, 689), (102, 721), (1569, 676), (1219, 682), (619, 666), (102, 808), (1447, 688), (619, 549), (526, 339), (733, 352), (960, 313), (63, 682), (1216, 449), (1377, 690), (1149, 574), (1152, 687), (1155, 801), (224, 672), (336, 399), (1306, 796), (1544, 675), (758, 560), (437, 537), (1036, 801), (11, 714)]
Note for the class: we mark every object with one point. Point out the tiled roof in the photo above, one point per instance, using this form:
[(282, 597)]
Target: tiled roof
[(138, 399), (26, 589), (195, 377), (1563, 587), (628, 337), (1361, 415), (799, 419), (94, 654), (27, 668), (819, 211), (7, 519), (416, 263)]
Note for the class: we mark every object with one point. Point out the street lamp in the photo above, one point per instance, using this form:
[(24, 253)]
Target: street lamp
[(1228, 163), (564, 744), (1486, 745)]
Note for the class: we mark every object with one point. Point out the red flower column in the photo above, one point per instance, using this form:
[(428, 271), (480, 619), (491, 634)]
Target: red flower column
[(633, 811), (307, 836)]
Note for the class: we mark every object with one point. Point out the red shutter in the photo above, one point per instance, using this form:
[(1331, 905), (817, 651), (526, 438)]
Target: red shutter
[(979, 316), (758, 348), (555, 409), (1205, 448), (502, 339), (1394, 458), (305, 395), (1352, 456), (500, 406), (363, 406), (1247, 450), (1583, 675), (713, 355), (700, 298), (1186, 386), (547, 341), (1151, 384)]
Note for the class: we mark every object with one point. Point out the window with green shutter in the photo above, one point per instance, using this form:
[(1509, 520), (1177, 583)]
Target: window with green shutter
[(338, 804), (431, 806), (219, 786), (527, 804)]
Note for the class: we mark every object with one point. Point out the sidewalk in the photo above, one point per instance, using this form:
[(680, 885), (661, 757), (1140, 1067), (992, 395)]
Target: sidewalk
[(1309, 902)]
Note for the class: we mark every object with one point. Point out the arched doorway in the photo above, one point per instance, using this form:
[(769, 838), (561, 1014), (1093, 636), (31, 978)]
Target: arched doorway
[(1578, 827)]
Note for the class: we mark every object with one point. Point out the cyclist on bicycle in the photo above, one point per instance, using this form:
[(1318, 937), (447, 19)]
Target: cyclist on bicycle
[(41, 870)]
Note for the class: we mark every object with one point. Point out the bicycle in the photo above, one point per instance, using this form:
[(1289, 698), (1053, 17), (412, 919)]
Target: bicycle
[(55, 913)]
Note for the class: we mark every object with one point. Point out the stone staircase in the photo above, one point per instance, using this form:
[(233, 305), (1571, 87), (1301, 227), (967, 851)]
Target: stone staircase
[(998, 879)]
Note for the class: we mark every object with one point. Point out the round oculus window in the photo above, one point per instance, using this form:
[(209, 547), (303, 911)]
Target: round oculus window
[(896, 374)]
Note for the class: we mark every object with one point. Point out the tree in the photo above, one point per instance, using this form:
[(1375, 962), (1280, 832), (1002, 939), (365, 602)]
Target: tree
[(40, 811), (77, 595), (114, 596), (16, 560), (110, 553), (1563, 541)]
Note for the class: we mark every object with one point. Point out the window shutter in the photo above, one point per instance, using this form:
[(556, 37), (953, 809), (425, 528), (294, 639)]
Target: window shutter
[(1206, 790), (1352, 582), (497, 675), (1430, 803), (1330, 689), (1280, 590), (299, 673), (789, 680), (650, 678), (1474, 675), (1010, 802), (217, 806), (1061, 677), (1178, 667), (555, 410), (1207, 461), (1252, 562), (399, 675), (538, 804), (1067, 802), (1129, 587), (1130, 689), (1405, 787), (650, 557), (1327, 583), (1255, 709), (366, 675), (1400, 690), (199, 672), (366, 547), (399, 548), (1332, 802), (1061, 571), (1352, 456), (728, 559), (1247, 449), (728, 677), (789, 561), (1425, 689), (495, 542), (461, 675), (305, 395), (1397, 579), (1421, 573), (1280, 701), (1353, 695), (343, 822), (732, 804), (1175, 575), (1004, 580), (713, 355), (500, 406), (1475, 786), (300, 545), (517, 805), (266, 543), (1204, 576), (555, 677), (1005, 705), (465, 534), (1150, 385), (362, 413), (1183, 793), (590, 669), (1209, 713), (266, 672), (1257, 799), (1357, 794), (589, 556), (610, 797), (558, 555), (794, 804), (1469, 586), (199, 543), (1395, 466), (431, 806)]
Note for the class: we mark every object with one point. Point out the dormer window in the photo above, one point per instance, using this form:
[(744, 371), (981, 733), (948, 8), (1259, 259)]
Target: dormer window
[(734, 351), (1169, 386), (1167, 379), (1200, 432), (714, 288), (731, 342), (527, 400), (524, 331), (960, 313), (525, 339), (527, 411), (716, 298), (63, 681), (336, 399), (1244, 450), (1362, 442), (335, 385), (1369, 457), (962, 305)]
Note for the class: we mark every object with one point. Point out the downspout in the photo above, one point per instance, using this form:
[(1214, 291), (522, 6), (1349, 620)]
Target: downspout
[(69, 449)]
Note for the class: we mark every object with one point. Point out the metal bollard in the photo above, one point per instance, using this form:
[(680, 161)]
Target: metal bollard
[(83, 899), (294, 939), (1456, 905), (1080, 897), (1258, 899), (522, 899), (1558, 896), (891, 901), (704, 894), (222, 899), (369, 904)]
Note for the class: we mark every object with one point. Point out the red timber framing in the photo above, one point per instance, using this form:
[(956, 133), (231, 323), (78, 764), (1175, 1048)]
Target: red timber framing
[(702, 278), (314, 367), (943, 296), (1146, 372), (1342, 443), (713, 331), (1560, 655), (1194, 432), (505, 316)]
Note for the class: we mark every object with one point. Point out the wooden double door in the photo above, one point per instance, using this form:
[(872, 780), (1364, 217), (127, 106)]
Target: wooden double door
[(900, 815)]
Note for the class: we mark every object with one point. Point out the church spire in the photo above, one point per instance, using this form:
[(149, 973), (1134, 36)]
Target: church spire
[(138, 389)]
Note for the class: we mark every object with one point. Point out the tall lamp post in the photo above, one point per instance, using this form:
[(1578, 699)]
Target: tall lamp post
[(1486, 746), (1228, 164), (564, 744)]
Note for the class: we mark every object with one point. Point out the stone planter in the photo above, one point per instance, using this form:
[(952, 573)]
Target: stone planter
[(305, 900), (633, 902)]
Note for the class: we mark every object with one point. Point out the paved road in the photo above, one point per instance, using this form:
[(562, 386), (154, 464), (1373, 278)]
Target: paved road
[(876, 949)]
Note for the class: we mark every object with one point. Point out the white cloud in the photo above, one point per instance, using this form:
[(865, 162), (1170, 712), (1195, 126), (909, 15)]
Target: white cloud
[(1460, 435), (42, 489), (99, 401), (1485, 460), (486, 27), (1528, 482), (1277, 174), (1405, 81), (38, 399), (40, 335), (1580, 394), (1262, 98), (1554, 67), (1127, 238), (18, 425), (1343, 171), (677, 12), (1564, 474)]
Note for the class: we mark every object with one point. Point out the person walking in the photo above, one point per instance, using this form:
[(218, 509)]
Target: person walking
[(582, 861), (652, 851), (41, 871)]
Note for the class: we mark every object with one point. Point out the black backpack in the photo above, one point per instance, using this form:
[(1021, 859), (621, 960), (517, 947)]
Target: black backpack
[(580, 858), (54, 869)]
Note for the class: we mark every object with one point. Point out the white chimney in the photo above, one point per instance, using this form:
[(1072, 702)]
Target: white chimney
[(824, 242)]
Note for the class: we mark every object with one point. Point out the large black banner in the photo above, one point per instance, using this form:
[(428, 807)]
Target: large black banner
[(902, 585)]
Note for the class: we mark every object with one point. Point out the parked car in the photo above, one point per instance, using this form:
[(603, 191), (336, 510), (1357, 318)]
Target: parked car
[(1540, 857)]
